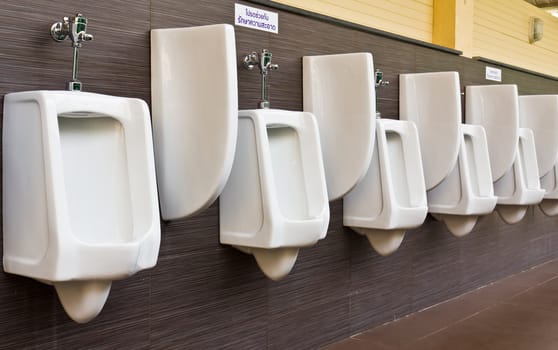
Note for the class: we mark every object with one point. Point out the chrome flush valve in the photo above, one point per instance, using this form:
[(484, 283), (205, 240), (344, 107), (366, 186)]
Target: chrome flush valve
[(263, 62), (380, 79), (379, 76), (74, 28)]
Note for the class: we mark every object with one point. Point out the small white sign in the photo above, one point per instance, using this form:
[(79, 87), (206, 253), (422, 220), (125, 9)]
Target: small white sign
[(493, 74), (251, 17)]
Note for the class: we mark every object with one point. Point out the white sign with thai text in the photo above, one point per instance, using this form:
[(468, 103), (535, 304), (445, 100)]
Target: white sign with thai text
[(251, 17), (493, 74)]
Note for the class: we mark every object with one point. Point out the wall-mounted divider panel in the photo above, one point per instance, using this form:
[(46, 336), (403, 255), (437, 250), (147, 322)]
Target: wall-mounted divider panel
[(195, 104), (455, 156), (81, 166), (339, 91), (511, 149), (275, 201), (540, 114), (371, 162)]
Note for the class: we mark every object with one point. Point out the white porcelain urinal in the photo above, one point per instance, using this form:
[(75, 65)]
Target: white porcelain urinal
[(339, 90), (454, 155), (391, 198), (511, 149), (275, 200), (195, 105), (540, 114), (467, 191), (79, 193)]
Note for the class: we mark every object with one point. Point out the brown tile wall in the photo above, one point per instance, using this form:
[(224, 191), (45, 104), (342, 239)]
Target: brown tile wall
[(205, 296)]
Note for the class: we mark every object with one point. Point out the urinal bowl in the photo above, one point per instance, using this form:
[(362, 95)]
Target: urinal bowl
[(519, 187), (275, 200), (81, 165), (391, 198), (466, 193)]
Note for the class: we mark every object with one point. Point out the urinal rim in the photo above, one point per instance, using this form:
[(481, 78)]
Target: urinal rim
[(50, 125), (294, 121), (358, 222)]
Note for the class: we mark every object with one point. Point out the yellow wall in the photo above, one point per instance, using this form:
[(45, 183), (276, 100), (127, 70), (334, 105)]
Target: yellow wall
[(452, 24), (410, 18), (500, 32), (499, 28)]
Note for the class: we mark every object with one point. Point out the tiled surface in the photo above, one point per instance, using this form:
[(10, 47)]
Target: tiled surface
[(202, 295), (518, 312)]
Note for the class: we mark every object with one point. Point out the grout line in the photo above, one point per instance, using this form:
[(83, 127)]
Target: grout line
[(455, 323)]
